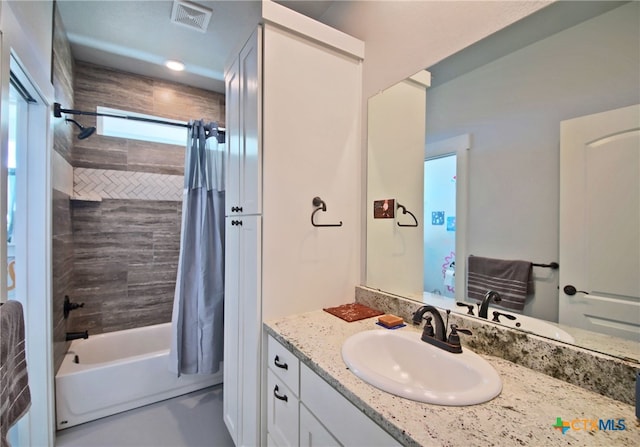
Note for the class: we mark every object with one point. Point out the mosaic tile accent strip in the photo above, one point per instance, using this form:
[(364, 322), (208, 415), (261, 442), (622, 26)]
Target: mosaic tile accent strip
[(98, 184)]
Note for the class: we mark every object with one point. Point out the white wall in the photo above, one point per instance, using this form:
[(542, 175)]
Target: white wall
[(26, 28), (317, 154), (513, 108), (28, 25), (404, 37), (396, 152)]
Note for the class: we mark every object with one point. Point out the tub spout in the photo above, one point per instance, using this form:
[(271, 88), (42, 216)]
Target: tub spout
[(77, 335)]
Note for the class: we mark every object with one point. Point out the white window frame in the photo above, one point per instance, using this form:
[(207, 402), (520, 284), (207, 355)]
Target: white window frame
[(140, 130)]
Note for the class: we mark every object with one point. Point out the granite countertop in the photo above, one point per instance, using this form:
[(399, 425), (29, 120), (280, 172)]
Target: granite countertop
[(523, 414)]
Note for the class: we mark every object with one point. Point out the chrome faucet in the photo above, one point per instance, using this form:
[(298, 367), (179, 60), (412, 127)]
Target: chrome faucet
[(484, 306), (438, 336)]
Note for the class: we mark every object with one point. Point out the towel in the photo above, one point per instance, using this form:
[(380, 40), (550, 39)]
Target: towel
[(513, 280), (15, 397)]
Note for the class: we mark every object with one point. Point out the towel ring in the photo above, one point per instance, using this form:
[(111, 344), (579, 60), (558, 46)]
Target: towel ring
[(406, 211), (321, 206)]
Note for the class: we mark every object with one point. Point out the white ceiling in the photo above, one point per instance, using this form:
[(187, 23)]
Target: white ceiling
[(138, 36)]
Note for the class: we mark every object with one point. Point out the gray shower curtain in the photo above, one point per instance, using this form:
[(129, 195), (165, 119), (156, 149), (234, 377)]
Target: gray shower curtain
[(197, 320)]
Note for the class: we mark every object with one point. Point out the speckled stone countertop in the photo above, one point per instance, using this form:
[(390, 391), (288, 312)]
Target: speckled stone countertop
[(604, 374), (523, 414)]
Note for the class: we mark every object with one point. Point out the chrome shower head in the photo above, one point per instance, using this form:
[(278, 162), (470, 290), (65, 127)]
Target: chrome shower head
[(85, 132)]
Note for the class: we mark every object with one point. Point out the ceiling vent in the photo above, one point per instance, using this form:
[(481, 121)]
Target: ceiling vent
[(191, 15)]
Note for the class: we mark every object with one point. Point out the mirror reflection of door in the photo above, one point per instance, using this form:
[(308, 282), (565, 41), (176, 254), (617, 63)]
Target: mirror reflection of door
[(440, 225), (600, 222), (19, 100), (446, 194)]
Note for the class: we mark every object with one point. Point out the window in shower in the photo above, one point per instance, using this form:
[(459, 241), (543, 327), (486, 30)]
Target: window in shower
[(139, 130)]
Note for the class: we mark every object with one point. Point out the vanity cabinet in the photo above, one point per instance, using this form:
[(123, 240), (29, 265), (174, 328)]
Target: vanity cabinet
[(282, 395), (293, 132), (312, 432), (282, 412), (314, 414)]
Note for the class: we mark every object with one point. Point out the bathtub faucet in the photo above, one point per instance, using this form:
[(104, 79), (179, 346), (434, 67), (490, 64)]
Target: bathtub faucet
[(77, 335)]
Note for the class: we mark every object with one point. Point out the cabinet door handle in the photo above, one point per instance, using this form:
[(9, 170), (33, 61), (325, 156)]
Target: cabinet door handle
[(236, 222), (276, 362), (236, 209), (279, 396)]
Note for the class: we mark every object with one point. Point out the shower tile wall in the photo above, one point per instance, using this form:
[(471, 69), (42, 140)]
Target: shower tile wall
[(98, 86), (126, 258), (62, 242), (126, 251), (62, 79), (62, 269)]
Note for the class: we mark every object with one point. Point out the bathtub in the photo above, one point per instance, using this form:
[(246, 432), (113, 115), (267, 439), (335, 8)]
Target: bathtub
[(118, 371)]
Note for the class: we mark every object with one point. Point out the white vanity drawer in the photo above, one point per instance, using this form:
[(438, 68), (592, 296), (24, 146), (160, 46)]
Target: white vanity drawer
[(349, 425), (312, 432), (282, 412), (284, 364)]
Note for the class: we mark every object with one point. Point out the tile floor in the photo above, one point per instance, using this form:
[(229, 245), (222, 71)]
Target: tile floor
[(192, 420)]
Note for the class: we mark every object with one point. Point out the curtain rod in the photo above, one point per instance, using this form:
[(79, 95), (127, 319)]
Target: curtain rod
[(58, 111)]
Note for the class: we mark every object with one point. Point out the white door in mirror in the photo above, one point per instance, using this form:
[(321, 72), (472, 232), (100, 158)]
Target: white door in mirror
[(600, 222), (399, 363)]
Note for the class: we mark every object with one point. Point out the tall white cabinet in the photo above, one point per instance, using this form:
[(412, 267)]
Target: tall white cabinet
[(293, 133)]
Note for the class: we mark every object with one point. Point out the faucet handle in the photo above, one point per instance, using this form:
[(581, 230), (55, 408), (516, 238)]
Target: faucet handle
[(497, 315), (468, 306), (428, 327), (454, 339)]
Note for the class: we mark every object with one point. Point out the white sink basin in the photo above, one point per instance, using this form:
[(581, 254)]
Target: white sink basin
[(398, 362), (537, 326)]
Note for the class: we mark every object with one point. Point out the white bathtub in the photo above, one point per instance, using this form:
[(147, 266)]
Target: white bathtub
[(118, 371)]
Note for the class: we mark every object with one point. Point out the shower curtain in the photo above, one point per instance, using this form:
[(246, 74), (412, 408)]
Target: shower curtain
[(197, 320)]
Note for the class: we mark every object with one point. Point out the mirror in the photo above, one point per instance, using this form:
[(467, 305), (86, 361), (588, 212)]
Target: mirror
[(498, 107)]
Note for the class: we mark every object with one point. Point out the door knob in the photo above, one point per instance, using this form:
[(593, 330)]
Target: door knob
[(571, 290)]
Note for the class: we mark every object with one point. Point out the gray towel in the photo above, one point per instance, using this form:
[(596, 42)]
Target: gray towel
[(513, 280), (15, 397)]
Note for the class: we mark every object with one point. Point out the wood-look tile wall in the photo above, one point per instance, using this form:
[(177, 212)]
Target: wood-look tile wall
[(126, 251), (99, 86), (61, 270), (125, 263), (62, 79), (62, 242)]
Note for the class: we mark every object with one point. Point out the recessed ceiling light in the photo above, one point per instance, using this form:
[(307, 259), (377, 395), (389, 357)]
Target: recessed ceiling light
[(174, 65)]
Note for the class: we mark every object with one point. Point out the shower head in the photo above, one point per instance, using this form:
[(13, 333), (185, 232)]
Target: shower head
[(85, 132)]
